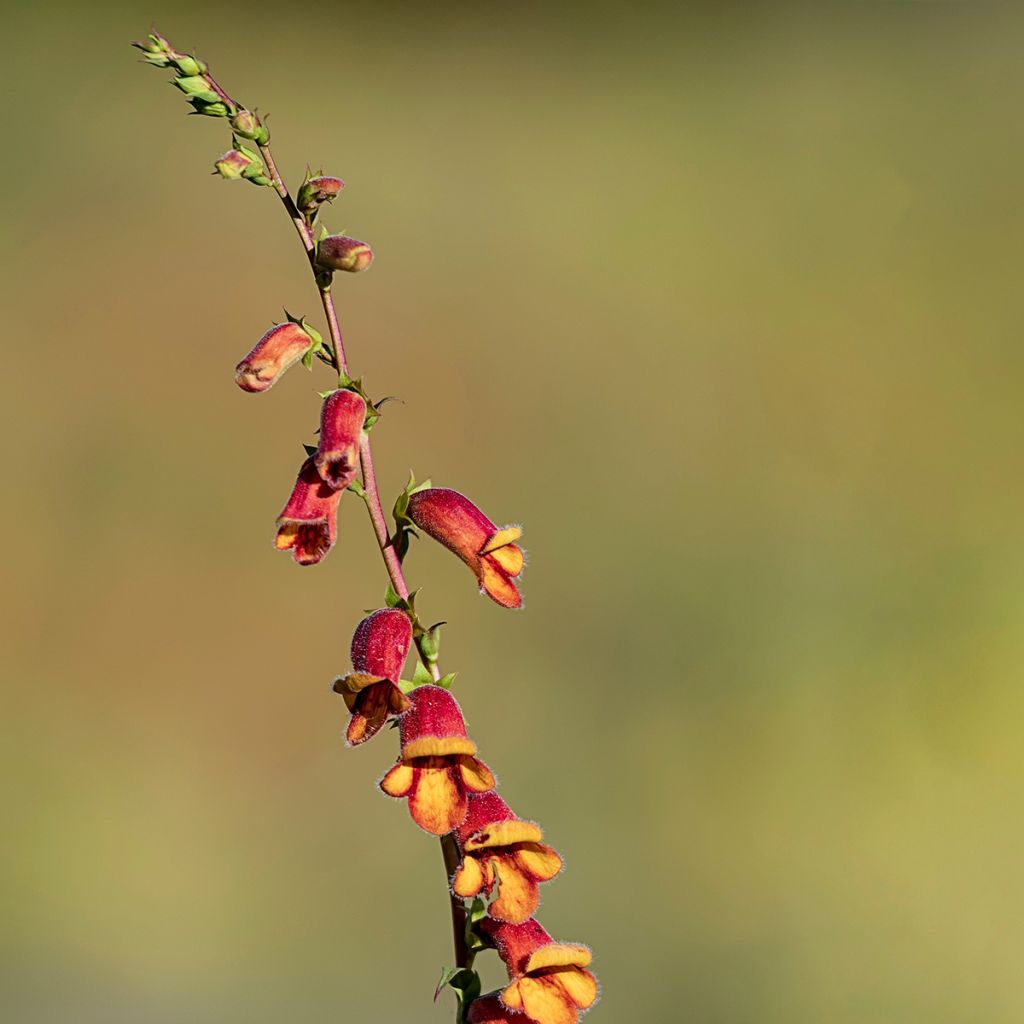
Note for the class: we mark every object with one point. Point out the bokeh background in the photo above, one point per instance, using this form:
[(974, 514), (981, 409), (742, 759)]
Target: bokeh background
[(721, 302)]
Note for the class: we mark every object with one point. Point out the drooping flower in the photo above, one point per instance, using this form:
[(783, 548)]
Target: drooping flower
[(499, 847), (339, 252), (438, 767), (548, 980), (341, 422), (308, 524), (282, 346), (379, 649), (452, 519)]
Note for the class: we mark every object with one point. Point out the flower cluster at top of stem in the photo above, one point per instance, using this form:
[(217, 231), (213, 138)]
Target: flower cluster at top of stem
[(496, 859)]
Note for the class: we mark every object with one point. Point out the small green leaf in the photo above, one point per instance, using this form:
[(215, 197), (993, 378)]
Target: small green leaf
[(357, 489), (406, 686), (446, 680), (421, 676), (391, 598)]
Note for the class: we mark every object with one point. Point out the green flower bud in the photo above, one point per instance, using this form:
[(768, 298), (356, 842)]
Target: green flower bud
[(197, 86), (189, 66), (207, 108), (248, 126)]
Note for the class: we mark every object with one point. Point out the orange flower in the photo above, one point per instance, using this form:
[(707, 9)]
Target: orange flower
[(497, 846), (438, 767), (308, 524), (341, 423), (281, 347), (548, 980), (452, 519), (379, 648)]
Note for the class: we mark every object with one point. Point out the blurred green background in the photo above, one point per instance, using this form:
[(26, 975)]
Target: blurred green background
[(718, 301)]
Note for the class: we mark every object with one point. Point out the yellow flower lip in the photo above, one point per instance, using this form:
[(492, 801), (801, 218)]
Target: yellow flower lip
[(501, 538), (438, 746), (558, 954), (504, 833), (355, 681)]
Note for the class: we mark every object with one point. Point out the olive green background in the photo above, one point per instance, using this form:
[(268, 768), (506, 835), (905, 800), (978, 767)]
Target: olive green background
[(722, 303)]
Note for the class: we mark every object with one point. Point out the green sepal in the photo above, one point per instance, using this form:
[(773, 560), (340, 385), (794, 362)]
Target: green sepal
[(464, 981), (429, 642), (357, 489), (421, 675), (311, 450), (445, 682), (196, 87), (477, 912), (316, 341)]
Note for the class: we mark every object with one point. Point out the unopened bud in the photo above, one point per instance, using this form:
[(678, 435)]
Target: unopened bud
[(248, 126), (208, 109), (233, 164), (189, 65), (196, 86), (317, 191), (339, 252)]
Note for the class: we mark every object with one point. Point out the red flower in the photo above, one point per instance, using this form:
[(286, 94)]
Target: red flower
[(341, 423), (282, 346), (438, 767), (547, 980), (452, 519), (379, 648), (497, 846), (308, 524)]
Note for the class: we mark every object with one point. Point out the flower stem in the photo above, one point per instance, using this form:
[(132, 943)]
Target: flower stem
[(463, 954)]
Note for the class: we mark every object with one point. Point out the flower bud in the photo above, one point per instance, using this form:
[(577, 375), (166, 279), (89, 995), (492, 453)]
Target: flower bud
[(339, 252), (248, 126), (341, 423), (189, 65), (317, 191), (281, 347), (197, 86), (208, 109), (233, 164)]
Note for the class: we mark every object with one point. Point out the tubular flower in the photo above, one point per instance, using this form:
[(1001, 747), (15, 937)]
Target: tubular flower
[(438, 767), (308, 524), (282, 346), (548, 981), (341, 422), (379, 648), (452, 519), (497, 846)]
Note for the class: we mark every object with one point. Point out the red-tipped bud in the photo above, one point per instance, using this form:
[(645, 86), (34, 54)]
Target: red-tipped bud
[(379, 649), (438, 767), (548, 980), (452, 519), (339, 252), (248, 125), (317, 191), (233, 164), (308, 524), (341, 423), (381, 642), (282, 346)]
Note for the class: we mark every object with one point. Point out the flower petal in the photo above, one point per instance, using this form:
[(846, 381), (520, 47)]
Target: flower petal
[(437, 803), (399, 781), (517, 891), (510, 559), (468, 879), (495, 583), (476, 776), (539, 860), (546, 1001), (580, 985)]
